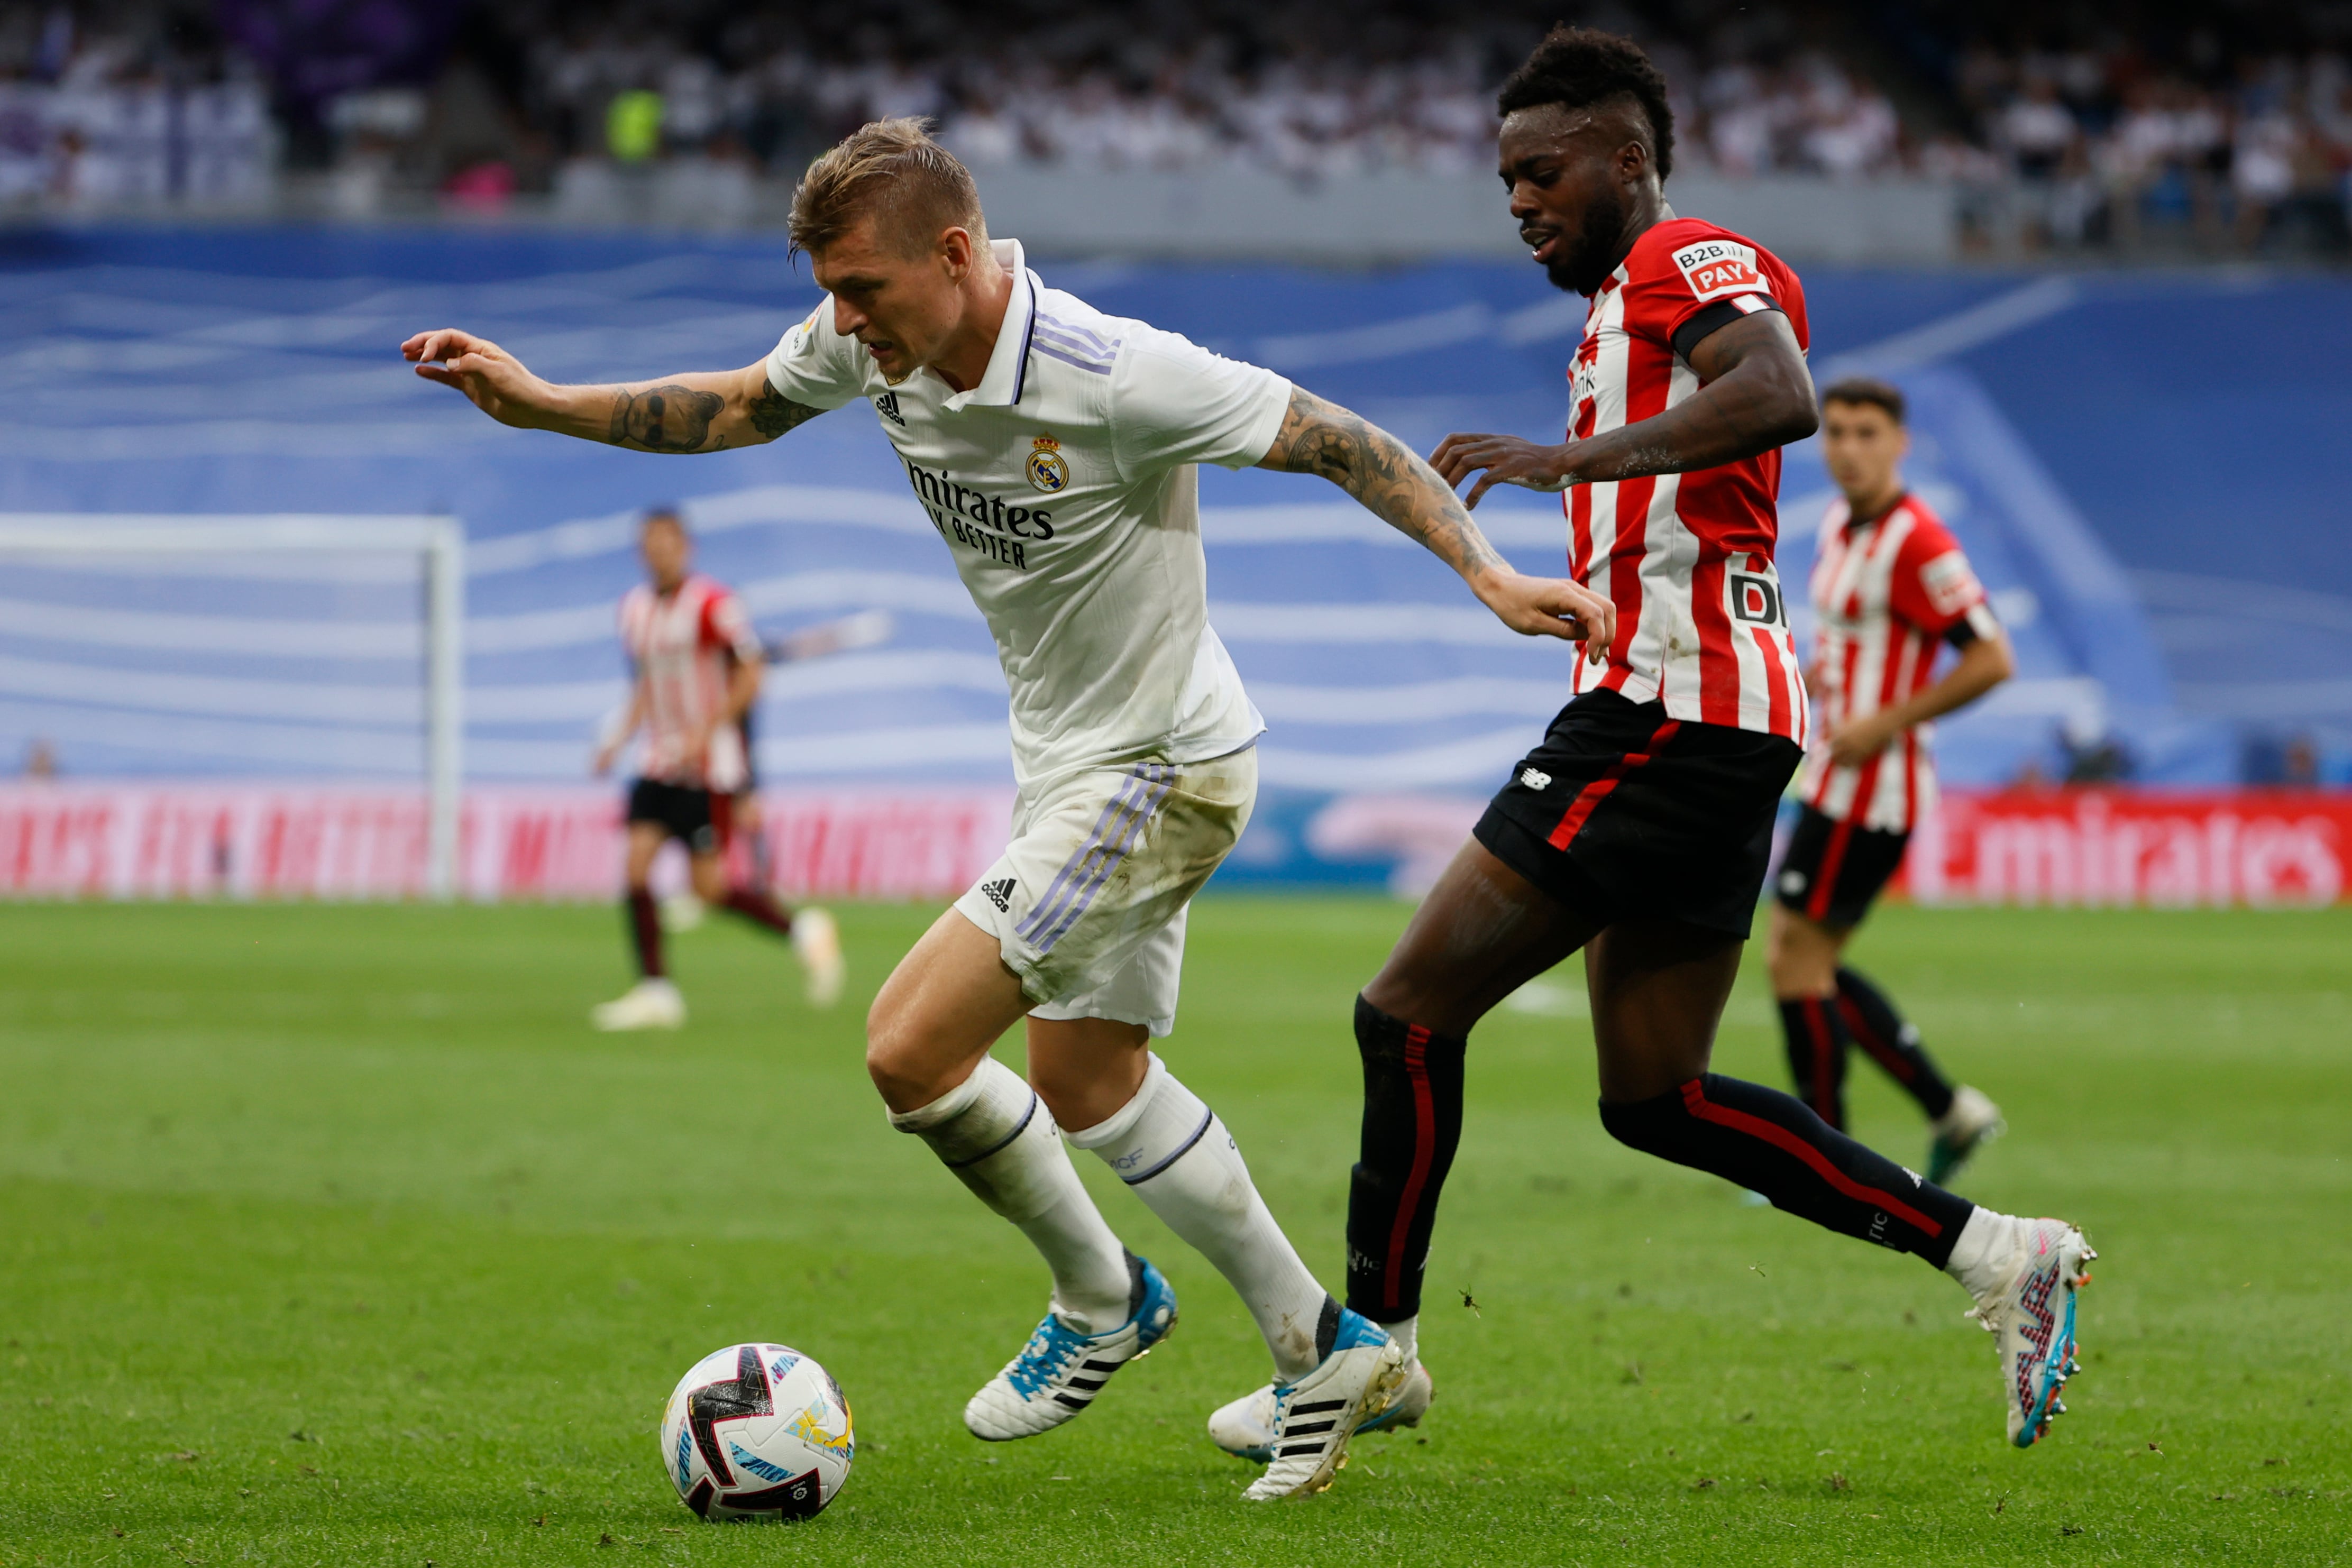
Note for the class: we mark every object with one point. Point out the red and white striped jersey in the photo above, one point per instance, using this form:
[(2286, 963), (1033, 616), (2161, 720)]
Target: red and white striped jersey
[(683, 646), (1687, 557), (1886, 591)]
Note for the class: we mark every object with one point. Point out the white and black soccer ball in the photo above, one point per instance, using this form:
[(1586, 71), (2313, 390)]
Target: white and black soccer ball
[(757, 1432)]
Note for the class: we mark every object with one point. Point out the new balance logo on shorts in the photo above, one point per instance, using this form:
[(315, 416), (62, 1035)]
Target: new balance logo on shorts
[(1535, 778), (999, 894)]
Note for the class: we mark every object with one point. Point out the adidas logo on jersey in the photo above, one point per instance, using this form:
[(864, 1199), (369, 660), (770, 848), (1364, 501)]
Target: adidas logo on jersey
[(1535, 778), (999, 894), (887, 405)]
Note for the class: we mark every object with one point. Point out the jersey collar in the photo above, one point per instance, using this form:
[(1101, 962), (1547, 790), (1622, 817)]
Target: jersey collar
[(1854, 524), (1008, 363)]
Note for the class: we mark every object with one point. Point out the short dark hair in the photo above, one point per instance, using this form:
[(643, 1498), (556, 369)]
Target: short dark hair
[(668, 516), (1869, 391), (1577, 68)]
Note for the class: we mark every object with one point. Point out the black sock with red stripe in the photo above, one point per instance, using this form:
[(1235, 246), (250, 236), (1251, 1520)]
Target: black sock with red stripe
[(1412, 1123), (644, 932), (1892, 1042), (1816, 1034), (1768, 1143), (759, 907)]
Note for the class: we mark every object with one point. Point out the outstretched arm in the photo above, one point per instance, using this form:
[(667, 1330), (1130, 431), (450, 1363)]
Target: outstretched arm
[(706, 410), (1399, 489), (1754, 393)]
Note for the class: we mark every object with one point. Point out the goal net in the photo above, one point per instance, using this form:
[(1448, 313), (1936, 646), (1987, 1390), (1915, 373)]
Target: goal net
[(313, 650)]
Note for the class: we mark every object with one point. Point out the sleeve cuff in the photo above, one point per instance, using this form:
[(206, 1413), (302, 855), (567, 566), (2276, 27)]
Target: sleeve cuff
[(1269, 425), (1710, 319), (1977, 625)]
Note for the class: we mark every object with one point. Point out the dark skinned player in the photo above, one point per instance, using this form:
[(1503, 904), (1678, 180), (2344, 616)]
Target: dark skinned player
[(1637, 831)]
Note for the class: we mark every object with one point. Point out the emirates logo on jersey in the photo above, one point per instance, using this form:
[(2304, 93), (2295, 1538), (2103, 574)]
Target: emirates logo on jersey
[(1715, 267)]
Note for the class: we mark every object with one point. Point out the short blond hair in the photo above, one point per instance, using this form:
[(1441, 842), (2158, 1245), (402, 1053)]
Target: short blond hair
[(892, 169)]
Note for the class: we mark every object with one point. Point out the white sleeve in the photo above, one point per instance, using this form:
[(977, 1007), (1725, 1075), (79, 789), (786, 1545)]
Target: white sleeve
[(1174, 401), (815, 366)]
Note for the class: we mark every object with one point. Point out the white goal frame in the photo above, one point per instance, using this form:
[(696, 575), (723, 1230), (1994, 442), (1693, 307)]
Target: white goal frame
[(440, 541)]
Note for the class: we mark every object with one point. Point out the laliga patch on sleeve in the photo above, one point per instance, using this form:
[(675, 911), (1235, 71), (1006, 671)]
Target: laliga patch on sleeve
[(1715, 267), (802, 341), (1951, 586)]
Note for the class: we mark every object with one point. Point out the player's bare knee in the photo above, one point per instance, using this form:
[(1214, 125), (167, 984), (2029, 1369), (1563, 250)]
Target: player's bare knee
[(1076, 1102), (892, 1060), (1411, 997), (709, 879)]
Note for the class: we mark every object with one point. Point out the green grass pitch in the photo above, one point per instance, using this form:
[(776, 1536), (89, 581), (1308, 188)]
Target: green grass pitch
[(333, 1235)]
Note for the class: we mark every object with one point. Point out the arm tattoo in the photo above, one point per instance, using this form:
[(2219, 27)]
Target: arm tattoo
[(663, 419), (1393, 484), (772, 412)]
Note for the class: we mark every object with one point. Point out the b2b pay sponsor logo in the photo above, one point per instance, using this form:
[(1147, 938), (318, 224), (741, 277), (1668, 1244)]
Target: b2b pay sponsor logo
[(1718, 267)]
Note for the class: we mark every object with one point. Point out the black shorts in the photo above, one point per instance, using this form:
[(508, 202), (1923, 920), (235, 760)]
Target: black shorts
[(694, 817), (1834, 870), (1640, 814)]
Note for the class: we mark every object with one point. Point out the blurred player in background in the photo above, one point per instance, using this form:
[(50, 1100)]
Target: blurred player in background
[(697, 671), (1053, 449), (1889, 584), (683, 911), (1638, 830)]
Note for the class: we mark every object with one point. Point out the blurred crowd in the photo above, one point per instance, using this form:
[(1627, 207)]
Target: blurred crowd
[(2064, 143), (2103, 141), (1428, 106), (130, 115)]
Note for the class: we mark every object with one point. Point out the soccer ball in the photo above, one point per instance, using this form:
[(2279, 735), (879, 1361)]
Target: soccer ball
[(757, 1431)]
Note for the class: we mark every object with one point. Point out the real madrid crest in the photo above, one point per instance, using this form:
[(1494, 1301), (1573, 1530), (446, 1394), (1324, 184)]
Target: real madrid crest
[(1047, 471)]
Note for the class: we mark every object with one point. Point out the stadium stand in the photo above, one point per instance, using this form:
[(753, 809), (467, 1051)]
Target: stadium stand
[(2152, 129)]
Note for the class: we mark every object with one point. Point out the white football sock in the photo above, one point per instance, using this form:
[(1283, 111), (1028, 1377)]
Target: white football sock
[(1984, 1253), (995, 1134), (1179, 1159), (1406, 1332)]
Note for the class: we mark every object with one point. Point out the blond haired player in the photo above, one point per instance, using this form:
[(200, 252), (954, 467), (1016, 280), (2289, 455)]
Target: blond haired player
[(1053, 448)]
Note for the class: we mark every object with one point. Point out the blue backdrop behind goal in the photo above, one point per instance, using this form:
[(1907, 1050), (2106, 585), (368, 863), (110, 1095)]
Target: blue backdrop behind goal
[(2149, 470)]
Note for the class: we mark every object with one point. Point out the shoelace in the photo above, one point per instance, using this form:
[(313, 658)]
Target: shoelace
[(1050, 1349)]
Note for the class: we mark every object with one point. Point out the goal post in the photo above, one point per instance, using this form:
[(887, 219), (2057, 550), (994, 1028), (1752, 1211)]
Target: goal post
[(438, 543)]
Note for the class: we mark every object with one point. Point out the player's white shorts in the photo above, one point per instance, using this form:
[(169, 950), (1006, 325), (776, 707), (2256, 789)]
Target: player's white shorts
[(1087, 902)]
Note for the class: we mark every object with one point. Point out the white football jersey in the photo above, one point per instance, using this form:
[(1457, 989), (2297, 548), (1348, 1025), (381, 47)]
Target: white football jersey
[(1064, 487)]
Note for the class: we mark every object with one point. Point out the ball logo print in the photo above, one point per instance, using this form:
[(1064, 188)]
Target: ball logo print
[(1048, 471), (757, 1432)]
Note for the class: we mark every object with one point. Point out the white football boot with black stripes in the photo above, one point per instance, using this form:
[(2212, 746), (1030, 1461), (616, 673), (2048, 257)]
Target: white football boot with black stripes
[(1360, 1374), (1059, 1371), (1245, 1428)]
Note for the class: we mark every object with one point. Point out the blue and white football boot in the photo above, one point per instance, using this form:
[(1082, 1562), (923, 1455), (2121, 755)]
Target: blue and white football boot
[(2032, 1314), (1245, 1428), (1059, 1371), (1360, 1374)]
